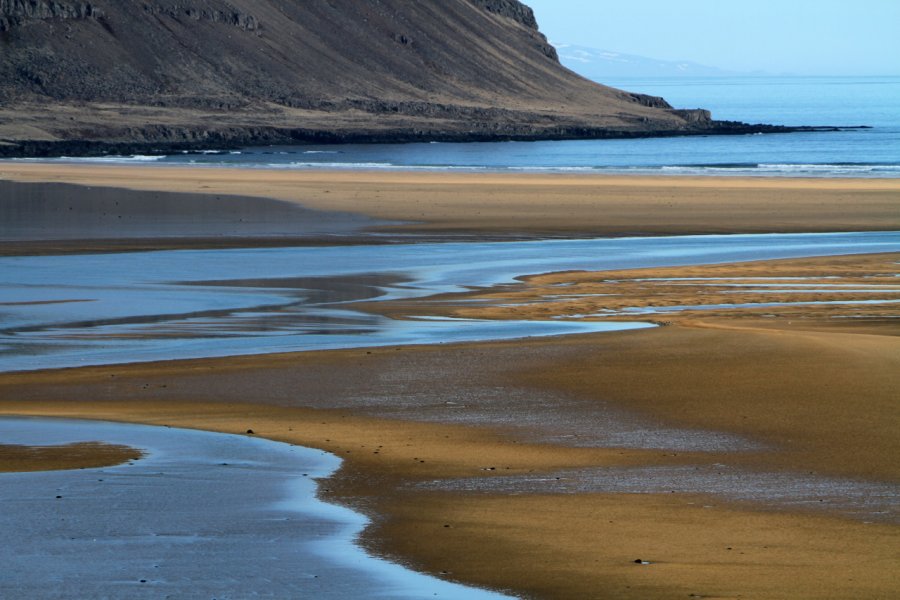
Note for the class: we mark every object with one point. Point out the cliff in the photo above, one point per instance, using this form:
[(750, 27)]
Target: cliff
[(136, 75)]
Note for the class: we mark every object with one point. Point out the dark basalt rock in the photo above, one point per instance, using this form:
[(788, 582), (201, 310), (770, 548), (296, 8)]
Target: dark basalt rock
[(509, 8), (694, 116), (16, 13), (651, 101), (156, 76), (244, 21), (161, 142), (521, 14)]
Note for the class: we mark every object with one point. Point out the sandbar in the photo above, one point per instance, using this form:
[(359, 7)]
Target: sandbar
[(856, 292), (83, 455), (522, 204)]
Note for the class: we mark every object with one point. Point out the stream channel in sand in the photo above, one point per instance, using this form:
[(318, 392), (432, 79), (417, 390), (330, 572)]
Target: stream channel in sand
[(201, 515), (211, 512), (65, 311)]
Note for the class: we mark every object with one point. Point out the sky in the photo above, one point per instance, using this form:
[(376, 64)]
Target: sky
[(799, 37)]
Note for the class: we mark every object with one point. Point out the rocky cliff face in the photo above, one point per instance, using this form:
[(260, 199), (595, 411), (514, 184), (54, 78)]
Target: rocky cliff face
[(520, 13), (15, 13), (243, 21), (512, 9), (134, 73)]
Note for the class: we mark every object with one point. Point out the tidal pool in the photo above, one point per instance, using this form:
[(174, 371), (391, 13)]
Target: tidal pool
[(202, 515)]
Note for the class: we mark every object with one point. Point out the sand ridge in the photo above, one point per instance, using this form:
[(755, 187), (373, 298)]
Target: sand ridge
[(852, 291)]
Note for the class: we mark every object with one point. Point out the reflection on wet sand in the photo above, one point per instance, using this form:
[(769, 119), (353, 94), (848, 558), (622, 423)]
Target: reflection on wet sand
[(59, 211), (300, 308), (247, 506), (190, 304)]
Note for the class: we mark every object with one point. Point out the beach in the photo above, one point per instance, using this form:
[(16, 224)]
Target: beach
[(493, 463), (518, 204)]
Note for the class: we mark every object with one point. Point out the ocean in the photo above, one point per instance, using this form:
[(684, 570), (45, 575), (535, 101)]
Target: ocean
[(841, 101)]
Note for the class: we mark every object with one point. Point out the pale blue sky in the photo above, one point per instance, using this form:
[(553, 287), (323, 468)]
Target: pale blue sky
[(804, 37)]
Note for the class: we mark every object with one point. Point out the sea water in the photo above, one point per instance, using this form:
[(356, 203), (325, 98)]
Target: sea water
[(818, 101)]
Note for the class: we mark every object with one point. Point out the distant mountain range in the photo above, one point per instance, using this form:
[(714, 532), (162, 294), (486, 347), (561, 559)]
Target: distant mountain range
[(595, 63)]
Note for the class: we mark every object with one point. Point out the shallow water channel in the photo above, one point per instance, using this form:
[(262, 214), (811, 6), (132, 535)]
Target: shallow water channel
[(62, 311), (210, 512), (202, 515)]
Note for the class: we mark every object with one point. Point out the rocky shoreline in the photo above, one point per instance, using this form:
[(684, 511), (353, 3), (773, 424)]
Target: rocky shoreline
[(195, 77), (187, 141)]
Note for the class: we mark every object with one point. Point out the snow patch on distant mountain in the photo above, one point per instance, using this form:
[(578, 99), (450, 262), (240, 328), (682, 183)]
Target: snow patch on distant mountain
[(595, 63)]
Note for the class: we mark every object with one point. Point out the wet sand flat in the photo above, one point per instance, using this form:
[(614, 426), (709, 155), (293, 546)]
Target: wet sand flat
[(727, 367), (57, 218), (818, 402), (796, 400), (525, 204)]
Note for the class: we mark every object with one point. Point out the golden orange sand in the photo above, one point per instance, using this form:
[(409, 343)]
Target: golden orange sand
[(855, 292), (824, 401), (528, 204)]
